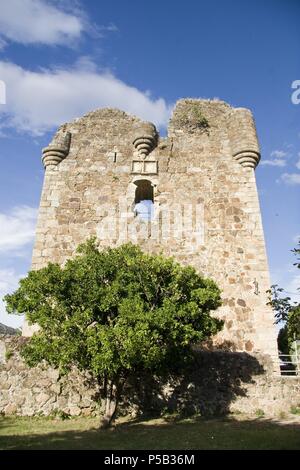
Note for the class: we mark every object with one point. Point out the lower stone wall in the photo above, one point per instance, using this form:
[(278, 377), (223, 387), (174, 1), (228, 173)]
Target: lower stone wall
[(40, 390), (218, 382)]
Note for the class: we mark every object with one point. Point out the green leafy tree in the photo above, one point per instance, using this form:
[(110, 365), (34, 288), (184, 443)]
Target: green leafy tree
[(286, 311), (283, 341), (115, 313)]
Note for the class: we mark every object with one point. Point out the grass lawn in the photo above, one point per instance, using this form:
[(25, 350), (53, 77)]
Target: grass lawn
[(195, 433)]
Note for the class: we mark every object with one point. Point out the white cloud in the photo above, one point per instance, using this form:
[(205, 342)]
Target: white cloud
[(39, 21), (279, 154), (298, 163), (292, 288), (291, 178), (8, 283), (288, 277), (2, 43), (296, 238), (17, 229), (38, 101), (278, 159), (275, 162)]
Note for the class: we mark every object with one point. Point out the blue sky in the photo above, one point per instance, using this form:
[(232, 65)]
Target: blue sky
[(60, 59)]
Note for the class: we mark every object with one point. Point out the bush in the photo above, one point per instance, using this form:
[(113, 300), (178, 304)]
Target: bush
[(116, 313)]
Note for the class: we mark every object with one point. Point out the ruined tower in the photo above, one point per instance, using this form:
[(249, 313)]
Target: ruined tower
[(191, 195)]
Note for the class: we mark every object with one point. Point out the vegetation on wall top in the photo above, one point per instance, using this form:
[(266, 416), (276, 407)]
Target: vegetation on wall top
[(190, 117)]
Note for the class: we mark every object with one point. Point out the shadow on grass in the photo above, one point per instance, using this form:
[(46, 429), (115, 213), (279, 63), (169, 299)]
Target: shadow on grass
[(226, 433)]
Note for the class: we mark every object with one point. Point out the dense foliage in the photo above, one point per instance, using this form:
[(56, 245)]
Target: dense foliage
[(286, 311), (114, 313)]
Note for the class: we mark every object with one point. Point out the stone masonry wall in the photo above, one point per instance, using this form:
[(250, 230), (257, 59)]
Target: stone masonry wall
[(39, 390), (220, 382), (207, 211)]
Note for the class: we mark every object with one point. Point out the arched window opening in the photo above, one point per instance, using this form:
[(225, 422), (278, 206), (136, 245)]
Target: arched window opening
[(144, 200)]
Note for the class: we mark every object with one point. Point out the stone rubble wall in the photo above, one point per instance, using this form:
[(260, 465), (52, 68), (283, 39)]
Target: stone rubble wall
[(220, 383), (39, 390)]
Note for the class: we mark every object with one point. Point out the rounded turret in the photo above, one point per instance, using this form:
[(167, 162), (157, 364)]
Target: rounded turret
[(145, 138), (57, 150), (243, 138)]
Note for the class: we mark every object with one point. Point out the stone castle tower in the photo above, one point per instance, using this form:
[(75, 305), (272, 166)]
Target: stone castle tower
[(191, 195)]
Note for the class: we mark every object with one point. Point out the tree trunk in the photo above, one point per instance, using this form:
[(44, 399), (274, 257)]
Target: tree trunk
[(111, 403)]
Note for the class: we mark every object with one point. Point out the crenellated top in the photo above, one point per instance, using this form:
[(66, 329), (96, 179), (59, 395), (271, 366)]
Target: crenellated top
[(197, 127)]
